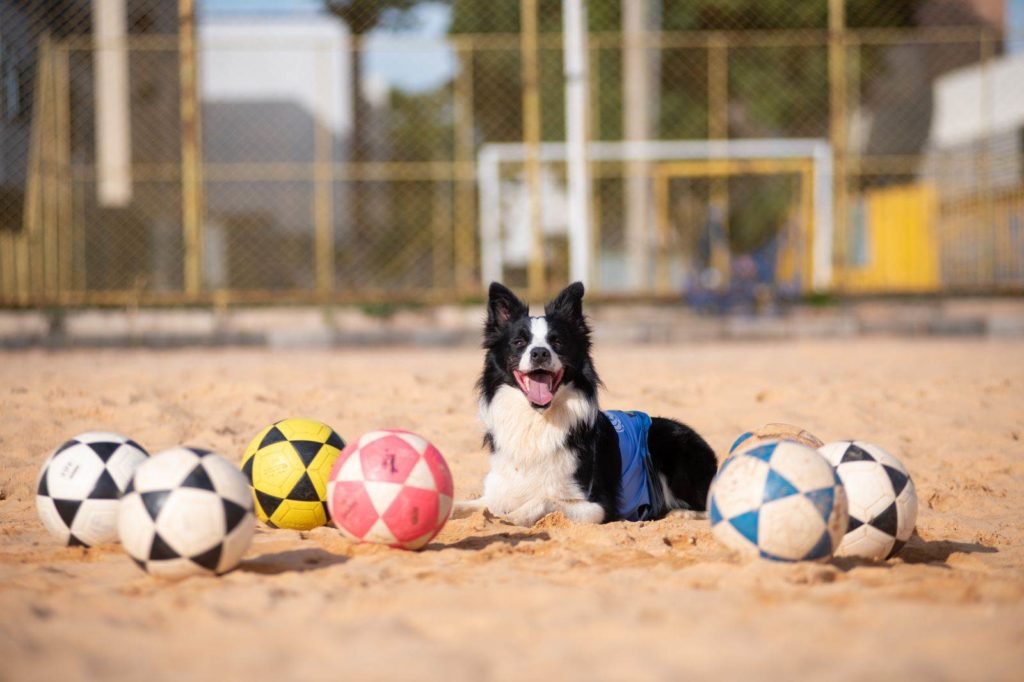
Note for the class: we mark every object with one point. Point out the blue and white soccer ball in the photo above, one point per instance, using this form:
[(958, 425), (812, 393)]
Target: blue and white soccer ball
[(781, 501)]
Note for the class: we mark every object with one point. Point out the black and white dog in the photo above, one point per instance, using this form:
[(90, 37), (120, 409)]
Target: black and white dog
[(552, 448)]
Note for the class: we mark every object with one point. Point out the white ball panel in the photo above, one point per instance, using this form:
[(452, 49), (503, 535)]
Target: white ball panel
[(165, 470), (739, 487), (351, 469), (789, 527), (72, 474), (867, 487), (236, 544), (123, 463), (134, 526), (733, 539), (833, 452), (191, 521), (229, 481), (380, 533), (416, 442), (906, 505), (96, 522), (802, 466)]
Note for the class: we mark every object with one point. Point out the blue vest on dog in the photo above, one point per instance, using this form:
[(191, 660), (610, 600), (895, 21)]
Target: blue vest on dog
[(641, 497)]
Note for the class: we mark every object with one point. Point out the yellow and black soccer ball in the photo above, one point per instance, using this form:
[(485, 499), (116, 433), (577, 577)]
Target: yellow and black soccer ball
[(288, 464)]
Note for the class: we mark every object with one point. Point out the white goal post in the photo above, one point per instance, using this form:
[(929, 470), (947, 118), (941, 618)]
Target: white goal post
[(817, 151)]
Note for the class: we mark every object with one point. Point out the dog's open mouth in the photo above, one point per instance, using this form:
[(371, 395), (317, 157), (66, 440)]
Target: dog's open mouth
[(539, 386)]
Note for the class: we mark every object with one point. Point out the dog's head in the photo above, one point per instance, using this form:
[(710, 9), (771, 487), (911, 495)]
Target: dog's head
[(538, 355)]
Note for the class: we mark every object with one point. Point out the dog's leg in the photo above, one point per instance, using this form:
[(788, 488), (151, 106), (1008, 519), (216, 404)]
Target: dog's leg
[(581, 511), (463, 508), (531, 512)]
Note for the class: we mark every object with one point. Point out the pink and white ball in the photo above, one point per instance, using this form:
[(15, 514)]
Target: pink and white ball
[(390, 487)]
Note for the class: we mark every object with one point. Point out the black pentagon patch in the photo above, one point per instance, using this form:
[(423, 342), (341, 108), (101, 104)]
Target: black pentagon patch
[(136, 445), (307, 450), (268, 503), (896, 547), (855, 453), (887, 520), (106, 488), (131, 486), (208, 559), (104, 450), (233, 514), (198, 478), (303, 491), (200, 452), (854, 523), (161, 551), (897, 478), (247, 468), (274, 435), (67, 510), (334, 440), (154, 502), (140, 563), (66, 445), (327, 510), (44, 486), (75, 542)]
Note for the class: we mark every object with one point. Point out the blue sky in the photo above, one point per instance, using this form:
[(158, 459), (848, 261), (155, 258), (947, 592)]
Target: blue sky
[(430, 64)]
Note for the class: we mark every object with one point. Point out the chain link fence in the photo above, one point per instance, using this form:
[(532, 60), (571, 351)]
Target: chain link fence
[(331, 150)]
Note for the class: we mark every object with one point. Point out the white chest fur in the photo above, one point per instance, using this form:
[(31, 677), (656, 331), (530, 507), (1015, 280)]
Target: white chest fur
[(530, 460)]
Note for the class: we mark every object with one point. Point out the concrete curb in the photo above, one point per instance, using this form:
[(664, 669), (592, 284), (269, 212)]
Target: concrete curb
[(311, 327)]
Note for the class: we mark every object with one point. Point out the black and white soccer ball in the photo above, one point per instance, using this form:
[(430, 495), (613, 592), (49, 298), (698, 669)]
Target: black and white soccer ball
[(187, 511), (81, 483), (881, 496)]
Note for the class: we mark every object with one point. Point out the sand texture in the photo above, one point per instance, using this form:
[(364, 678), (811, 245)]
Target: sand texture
[(490, 601)]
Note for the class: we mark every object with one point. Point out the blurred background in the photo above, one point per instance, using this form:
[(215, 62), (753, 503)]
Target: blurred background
[(721, 152)]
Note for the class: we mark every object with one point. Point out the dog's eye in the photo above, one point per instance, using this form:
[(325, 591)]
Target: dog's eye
[(555, 342), (519, 343)]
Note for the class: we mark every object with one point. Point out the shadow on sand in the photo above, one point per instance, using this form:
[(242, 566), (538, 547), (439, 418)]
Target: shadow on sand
[(920, 551), (295, 560), (478, 542)]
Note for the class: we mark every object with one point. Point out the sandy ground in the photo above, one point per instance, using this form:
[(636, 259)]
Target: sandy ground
[(490, 601)]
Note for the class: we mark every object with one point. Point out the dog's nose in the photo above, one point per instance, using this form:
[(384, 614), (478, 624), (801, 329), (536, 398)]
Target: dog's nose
[(540, 356)]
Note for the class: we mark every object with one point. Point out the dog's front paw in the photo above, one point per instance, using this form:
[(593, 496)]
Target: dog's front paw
[(530, 513)]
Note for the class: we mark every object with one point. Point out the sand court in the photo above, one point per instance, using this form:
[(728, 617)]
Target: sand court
[(490, 601)]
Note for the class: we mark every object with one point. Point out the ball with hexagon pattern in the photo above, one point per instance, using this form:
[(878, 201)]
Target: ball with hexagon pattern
[(288, 464), (187, 511), (390, 487), (882, 498), (81, 483)]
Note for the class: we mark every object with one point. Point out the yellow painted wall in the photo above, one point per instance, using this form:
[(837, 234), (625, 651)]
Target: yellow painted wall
[(901, 248)]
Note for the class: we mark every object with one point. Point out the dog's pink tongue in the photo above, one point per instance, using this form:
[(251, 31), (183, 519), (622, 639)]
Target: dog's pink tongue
[(539, 388)]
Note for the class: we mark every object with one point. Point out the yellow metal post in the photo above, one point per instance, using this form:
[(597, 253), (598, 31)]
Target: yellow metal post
[(465, 204), (531, 137), (837, 118), (191, 149), (718, 129), (62, 105)]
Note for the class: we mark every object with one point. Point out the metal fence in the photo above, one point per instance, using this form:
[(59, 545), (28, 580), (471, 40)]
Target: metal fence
[(159, 153)]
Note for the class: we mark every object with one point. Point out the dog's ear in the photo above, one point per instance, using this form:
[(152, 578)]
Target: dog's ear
[(503, 306), (568, 303)]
